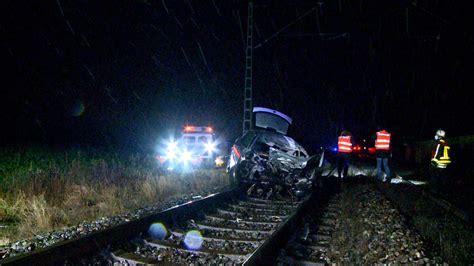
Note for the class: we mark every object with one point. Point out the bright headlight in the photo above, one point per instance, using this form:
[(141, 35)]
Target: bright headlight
[(210, 147), (171, 150), (171, 154), (186, 156), (172, 146)]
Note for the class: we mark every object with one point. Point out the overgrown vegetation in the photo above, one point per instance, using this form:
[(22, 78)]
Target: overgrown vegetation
[(44, 190)]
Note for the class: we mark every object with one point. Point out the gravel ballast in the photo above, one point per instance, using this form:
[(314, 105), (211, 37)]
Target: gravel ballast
[(370, 229)]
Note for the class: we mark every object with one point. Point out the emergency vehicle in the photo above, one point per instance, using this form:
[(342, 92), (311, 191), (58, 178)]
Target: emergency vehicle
[(196, 147)]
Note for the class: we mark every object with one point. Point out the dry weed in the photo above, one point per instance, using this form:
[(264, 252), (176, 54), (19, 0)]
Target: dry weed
[(37, 215), (57, 197)]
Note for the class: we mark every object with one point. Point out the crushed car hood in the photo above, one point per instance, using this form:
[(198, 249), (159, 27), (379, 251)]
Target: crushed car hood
[(286, 160), (281, 161), (273, 163)]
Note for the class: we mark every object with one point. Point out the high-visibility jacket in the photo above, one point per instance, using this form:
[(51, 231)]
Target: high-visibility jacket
[(440, 154), (382, 142), (344, 144)]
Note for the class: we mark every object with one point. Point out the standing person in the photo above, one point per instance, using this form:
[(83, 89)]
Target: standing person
[(382, 153), (344, 150), (439, 162)]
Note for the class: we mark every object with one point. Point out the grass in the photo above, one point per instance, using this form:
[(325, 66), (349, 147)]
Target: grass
[(45, 190)]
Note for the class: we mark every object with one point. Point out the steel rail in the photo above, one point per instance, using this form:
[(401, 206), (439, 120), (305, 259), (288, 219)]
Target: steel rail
[(444, 203), (448, 206), (75, 249), (267, 253)]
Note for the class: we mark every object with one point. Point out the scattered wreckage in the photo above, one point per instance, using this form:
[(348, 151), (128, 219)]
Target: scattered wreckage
[(271, 162)]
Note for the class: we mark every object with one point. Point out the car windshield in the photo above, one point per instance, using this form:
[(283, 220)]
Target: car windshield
[(189, 140), (283, 143), (203, 139)]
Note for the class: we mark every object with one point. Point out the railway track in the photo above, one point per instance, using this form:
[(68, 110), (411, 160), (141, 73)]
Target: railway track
[(231, 232), (75, 250), (449, 230), (225, 227), (442, 203), (309, 244)]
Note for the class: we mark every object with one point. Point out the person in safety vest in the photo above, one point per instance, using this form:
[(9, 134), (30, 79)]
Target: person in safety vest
[(382, 153), (344, 150), (439, 162)]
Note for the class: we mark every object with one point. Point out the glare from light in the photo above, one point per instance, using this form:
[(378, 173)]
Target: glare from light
[(210, 147), (172, 145), (193, 240), (171, 150), (157, 231), (171, 154), (186, 156), (78, 109)]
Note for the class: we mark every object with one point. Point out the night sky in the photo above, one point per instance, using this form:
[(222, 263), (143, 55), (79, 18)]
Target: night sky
[(125, 73)]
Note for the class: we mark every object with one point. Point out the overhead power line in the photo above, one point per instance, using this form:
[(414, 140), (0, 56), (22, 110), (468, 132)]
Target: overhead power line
[(327, 35), (430, 13), (284, 28)]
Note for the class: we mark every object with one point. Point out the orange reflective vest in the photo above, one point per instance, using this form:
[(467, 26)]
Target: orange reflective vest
[(382, 142), (344, 144)]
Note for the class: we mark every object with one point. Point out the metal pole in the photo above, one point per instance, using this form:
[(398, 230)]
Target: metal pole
[(247, 123)]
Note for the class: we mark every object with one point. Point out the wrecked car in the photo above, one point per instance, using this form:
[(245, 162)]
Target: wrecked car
[(273, 163)]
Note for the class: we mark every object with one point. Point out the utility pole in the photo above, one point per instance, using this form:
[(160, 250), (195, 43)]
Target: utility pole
[(247, 123)]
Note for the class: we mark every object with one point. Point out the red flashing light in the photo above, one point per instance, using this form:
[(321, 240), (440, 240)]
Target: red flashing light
[(209, 129), (188, 128)]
